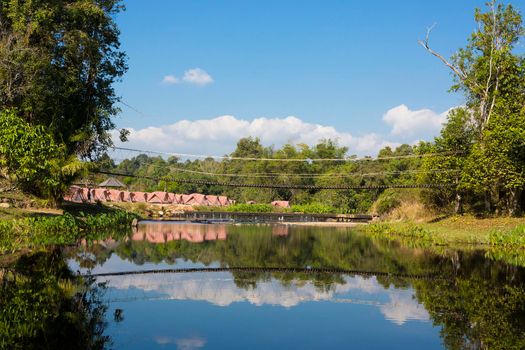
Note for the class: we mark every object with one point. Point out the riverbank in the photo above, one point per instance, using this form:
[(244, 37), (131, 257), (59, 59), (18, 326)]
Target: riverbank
[(464, 229), (26, 229)]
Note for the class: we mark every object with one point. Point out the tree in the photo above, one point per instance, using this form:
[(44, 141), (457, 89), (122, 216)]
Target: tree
[(492, 77), (454, 144), (32, 157), (58, 62)]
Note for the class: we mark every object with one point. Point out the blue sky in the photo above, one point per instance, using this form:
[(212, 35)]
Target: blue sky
[(336, 66)]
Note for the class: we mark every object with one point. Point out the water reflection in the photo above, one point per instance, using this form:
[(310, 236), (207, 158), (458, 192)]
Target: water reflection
[(162, 231), (470, 302), (44, 306), (397, 305)]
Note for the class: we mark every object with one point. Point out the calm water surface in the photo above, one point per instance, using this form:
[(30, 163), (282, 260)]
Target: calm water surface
[(406, 297)]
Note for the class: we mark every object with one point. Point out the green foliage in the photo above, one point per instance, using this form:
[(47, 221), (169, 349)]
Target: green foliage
[(70, 59), (386, 202), (43, 306), (58, 62), (490, 131), (313, 208), (33, 159), (250, 208), (455, 142), (34, 232), (264, 172), (413, 235), (514, 238)]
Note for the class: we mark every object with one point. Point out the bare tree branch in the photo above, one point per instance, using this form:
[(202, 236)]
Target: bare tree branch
[(425, 44)]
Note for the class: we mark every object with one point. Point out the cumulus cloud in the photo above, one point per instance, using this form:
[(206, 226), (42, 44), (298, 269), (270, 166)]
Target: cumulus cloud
[(170, 80), (219, 135), (194, 76), (407, 122), (197, 76)]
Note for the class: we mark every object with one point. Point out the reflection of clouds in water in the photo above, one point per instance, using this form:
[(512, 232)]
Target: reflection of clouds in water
[(192, 343), (402, 308), (163, 340), (220, 289)]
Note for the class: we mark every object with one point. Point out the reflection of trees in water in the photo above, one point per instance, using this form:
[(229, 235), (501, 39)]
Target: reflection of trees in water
[(480, 303), (42, 305), (476, 313)]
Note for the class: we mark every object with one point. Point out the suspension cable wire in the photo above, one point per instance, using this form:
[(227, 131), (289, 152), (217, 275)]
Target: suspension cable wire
[(305, 270), (313, 175), (308, 160), (339, 175), (275, 186), (132, 108)]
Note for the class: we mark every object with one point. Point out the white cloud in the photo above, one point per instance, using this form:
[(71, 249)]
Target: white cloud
[(170, 80), (194, 76), (219, 135), (197, 76), (406, 122)]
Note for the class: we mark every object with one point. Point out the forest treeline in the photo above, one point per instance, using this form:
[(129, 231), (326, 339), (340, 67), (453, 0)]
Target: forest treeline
[(60, 60), (325, 164)]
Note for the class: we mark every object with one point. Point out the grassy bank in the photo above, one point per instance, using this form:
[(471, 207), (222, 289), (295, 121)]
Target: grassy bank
[(497, 231), (34, 230)]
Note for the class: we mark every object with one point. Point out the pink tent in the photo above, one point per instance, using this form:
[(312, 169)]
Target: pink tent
[(126, 196), (158, 197), (74, 194), (186, 198), (197, 199), (86, 196), (213, 200), (116, 195), (141, 197), (281, 204), (100, 194), (223, 200), (176, 198)]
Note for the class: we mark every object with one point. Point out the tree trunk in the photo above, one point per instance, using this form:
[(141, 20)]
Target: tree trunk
[(513, 203), (458, 206), (487, 202)]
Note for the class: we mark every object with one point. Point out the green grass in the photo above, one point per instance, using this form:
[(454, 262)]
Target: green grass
[(39, 231), (514, 238), (497, 231)]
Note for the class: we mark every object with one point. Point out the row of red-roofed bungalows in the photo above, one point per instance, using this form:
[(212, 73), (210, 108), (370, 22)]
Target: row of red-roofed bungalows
[(90, 195)]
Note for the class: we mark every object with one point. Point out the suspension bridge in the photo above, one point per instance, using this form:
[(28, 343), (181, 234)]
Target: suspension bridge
[(177, 172)]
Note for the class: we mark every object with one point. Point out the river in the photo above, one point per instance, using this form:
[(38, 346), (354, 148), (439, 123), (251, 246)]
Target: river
[(172, 285)]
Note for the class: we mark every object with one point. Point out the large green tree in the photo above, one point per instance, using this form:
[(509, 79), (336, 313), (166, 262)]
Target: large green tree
[(491, 75), (59, 60)]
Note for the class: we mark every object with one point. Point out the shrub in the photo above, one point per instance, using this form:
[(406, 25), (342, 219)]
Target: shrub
[(511, 238), (386, 202), (313, 208), (250, 208)]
